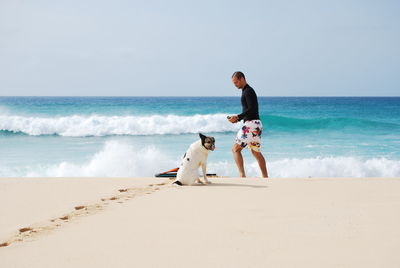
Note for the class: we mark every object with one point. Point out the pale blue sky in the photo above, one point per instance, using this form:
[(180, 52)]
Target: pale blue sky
[(191, 48)]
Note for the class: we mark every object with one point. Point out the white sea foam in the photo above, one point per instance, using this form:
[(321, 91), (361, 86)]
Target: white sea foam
[(99, 125), (120, 159), (115, 159), (317, 167)]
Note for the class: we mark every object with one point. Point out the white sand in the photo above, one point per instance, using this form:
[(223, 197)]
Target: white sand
[(232, 223)]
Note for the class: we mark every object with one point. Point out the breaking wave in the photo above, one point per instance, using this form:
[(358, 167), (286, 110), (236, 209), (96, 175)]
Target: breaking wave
[(120, 159), (99, 125), (102, 125)]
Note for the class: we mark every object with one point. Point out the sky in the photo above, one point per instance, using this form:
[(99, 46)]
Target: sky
[(191, 48)]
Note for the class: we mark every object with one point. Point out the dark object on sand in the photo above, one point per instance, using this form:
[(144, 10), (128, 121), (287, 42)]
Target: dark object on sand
[(172, 174)]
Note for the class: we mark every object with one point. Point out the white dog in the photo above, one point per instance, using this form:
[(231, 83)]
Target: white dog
[(195, 157)]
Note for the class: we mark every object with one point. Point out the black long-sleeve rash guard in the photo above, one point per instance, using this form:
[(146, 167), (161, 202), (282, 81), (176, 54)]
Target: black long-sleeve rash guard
[(249, 104)]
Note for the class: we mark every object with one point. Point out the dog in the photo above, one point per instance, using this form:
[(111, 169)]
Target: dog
[(195, 156)]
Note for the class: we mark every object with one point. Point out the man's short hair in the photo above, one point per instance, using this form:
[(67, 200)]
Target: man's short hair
[(238, 75)]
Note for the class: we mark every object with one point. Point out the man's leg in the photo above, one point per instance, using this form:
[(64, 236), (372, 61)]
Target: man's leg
[(237, 155), (261, 163)]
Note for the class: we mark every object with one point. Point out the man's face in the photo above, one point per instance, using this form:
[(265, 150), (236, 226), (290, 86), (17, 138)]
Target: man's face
[(239, 83)]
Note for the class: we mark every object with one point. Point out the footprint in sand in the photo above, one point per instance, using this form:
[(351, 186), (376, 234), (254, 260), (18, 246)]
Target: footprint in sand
[(27, 232), (4, 244)]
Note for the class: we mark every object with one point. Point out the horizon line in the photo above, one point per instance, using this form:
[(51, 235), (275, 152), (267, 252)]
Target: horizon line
[(188, 96)]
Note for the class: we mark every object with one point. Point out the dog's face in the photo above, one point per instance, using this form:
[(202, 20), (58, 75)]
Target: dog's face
[(207, 142)]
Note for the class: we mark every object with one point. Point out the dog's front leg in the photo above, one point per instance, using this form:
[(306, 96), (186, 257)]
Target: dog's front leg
[(204, 167)]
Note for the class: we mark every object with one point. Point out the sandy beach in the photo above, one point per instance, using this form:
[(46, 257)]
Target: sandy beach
[(131, 222)]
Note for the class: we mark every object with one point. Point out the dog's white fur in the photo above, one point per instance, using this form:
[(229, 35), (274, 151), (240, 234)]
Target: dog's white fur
[(188, 172)]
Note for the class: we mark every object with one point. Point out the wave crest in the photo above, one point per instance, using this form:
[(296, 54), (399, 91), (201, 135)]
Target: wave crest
[(99, 125), (102, 125)]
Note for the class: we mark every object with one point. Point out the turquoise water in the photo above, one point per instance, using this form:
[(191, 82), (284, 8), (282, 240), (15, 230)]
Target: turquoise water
[(140, 136)]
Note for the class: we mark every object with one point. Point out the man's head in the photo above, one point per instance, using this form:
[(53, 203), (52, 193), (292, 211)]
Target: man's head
[(239, 80)]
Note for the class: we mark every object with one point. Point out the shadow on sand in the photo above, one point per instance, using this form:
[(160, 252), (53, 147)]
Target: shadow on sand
[(233, 184)]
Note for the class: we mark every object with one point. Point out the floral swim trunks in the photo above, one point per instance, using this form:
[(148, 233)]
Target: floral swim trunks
[(250, 135)]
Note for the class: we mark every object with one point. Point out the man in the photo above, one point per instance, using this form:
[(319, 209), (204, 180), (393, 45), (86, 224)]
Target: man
[(249, 135)]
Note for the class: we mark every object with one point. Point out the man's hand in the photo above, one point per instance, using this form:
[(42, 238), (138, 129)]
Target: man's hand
[(233, 118)]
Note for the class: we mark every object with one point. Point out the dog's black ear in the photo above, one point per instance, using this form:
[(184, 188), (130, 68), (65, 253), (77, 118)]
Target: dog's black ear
[(202, 137)]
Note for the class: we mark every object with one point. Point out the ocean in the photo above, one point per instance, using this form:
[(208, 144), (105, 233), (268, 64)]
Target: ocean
[(141, 136)]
